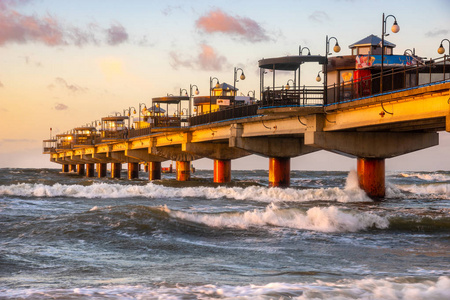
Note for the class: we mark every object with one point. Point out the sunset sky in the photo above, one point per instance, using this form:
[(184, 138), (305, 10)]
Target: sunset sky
[(67, 63)]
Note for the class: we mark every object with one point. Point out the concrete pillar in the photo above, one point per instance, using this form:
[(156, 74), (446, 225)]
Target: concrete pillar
[(222, 170), (115, 170), (101, 170), (183, 170), (90, 170), (371, 174), (133, 170), (72, 168), (80, 169), (65, 168), (154, 170), (279, 171)]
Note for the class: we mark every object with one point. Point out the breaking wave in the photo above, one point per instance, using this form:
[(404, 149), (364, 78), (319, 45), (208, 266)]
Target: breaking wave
[(323, 219), (369, 288)]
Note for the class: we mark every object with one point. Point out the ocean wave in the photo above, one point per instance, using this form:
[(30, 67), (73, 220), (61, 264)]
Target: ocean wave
[(414, 191), (439, 177), (150, 190), (369, 288), (323, 219)]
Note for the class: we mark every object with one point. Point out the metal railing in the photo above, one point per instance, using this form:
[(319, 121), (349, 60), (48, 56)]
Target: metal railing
[(303, 96), (239, 111), (139, 132), (395, 79)]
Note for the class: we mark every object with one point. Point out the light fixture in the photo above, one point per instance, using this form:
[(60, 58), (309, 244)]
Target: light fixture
[(318, 79), (441, 49)]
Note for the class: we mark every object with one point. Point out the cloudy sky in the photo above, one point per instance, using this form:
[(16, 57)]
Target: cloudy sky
[(67, 63)]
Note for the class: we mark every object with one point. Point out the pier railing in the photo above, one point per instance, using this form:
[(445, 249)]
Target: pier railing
[(303, 96), (239, 111), (394, 79)]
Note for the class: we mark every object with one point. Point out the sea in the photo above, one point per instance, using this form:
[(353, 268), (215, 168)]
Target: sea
[(64, 236)]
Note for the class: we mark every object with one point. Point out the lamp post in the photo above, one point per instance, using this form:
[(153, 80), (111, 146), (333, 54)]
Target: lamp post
[(191, 86), (211, 79), (410, 52), (441, 49), (144, 109), (300, 52), (336, 49), (129, 113), (395, 28), (242, 77), (287, 84)]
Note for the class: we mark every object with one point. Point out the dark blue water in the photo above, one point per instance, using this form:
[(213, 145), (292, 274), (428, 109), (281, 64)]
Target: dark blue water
[(68, 237)]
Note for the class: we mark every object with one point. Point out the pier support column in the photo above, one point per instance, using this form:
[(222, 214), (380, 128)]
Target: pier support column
[(115, 170), (80, 169), (183, 170), (72, 168), (90, 170), (101, 170), (279, 171), (222, 170), (154, 170), (65, 168), (133, 170), (371, 173)]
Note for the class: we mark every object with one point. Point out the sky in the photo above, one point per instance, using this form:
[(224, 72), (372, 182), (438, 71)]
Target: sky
[(64, 64)]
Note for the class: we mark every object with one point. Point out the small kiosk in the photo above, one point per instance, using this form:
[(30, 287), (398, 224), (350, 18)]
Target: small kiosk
[(170, 111), (86, 136), (114, 128), (65, 141)]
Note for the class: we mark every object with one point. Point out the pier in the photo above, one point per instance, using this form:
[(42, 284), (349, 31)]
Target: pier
[(370, 105)]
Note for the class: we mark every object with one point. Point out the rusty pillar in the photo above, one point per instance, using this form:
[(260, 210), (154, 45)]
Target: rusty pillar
[(154, 170), (279, 171), (222, 170), (115, 170), (133, 170), (65, 168), (183, 170), (371, 174), (80, 169), (101, 170), (90, 170), (146, 167)]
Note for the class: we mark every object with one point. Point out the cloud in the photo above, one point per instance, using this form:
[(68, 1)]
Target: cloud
[(60, 106), (218, 21), (1, 84), (207, 60), (29, 61), (117, 34), (73, 88), (319, 16), (49, 30), (437, 32), (168, 10)]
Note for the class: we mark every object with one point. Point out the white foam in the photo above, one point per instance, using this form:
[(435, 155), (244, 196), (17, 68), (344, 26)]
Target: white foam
[(435, 191), (255, 193), (323, 219), (368, 288), (427, 176)]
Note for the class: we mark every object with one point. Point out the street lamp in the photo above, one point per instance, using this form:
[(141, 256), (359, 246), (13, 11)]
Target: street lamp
[(129, 113), (300, 50), (191, 86), (336, 49), (318, 79), (251, 92), (287, 84), (441, 49), (242, 77), (143, 110), (185, 92), (409, 52), (211, 79), (395, 28)]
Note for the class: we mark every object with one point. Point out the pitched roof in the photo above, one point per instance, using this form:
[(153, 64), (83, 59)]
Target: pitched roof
[(371, 40)]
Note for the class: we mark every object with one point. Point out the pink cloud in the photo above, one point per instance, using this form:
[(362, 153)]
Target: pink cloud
[(19, 28), (1, 84), (117, 34), (218, 21), (207, 60), (73, 88), (61, 106)]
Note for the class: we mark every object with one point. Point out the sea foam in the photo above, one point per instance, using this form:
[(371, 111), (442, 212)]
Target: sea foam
[(323, 219)]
